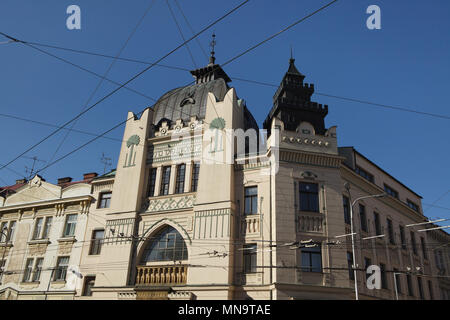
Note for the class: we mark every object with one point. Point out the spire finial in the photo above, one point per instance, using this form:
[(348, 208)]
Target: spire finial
[(212, 44), (291, 60)]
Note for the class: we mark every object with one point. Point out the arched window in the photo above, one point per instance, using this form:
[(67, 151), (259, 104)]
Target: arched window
[(166, 245)]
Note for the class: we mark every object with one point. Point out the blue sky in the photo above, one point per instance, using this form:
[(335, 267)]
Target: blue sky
[(406, 63)]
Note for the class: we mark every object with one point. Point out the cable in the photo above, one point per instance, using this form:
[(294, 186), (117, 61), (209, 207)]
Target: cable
[(181, 33), (99, 84), (124, 84)]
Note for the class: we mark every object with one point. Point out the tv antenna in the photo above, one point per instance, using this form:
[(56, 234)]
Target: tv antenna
[(31, 171), (106, 161)]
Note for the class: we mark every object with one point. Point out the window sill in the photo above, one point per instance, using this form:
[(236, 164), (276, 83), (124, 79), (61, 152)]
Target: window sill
[(67, 239), (39, 241), (30, 283), (58, 282)]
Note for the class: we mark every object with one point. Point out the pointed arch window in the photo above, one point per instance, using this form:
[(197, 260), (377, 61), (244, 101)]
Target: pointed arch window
[(166, 245)]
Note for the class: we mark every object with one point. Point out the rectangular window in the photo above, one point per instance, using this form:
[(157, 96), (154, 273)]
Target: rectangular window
[(439, 261), (47, 227), (3, 228), (424, 248), (402, 237), (390, 191), (250, 258), (409, 283), (367, 263), (38, 269), (346, 202), (179, 185), (251, 200), (105, 199), (89, 282), (195, 173), (384, 284), (28, 270), (71, 223), (412, 205), (390, 231), (152, 182), (38, 228), (12, 230), (376, 219), (430, 289), (309, 197), (363, 173), (362, 217), (96, 242), (61, 269), (397, 281), (311, 259), (413, 242), (351, 274), (165, 181), (419, 284)]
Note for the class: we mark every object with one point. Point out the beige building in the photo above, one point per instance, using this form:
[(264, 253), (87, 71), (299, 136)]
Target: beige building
[(195, 211)]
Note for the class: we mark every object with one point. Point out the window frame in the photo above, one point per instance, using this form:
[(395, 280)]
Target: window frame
[(60, 269), (104, 202), (252, 198), (96, 243), (377, 223), (391, 191), (165, 186), (195, 175), (346, 205), (390, 230), (362, 214), (249, 254), (312, 203), (180, 179), (66, 225), (152, 182), (87, 289), (310, 253)]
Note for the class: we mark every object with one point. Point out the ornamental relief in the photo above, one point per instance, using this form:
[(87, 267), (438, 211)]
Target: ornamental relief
[(175, 150), (167, 204)]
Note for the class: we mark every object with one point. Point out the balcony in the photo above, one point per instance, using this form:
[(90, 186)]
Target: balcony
[(161, 275), (250, 224), (311, 222)]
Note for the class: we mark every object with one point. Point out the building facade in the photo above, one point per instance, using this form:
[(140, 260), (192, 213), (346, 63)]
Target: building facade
[(204, 205)]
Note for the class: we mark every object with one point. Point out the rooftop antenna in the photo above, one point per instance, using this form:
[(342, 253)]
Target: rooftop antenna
[(212, 44), (31, 171), (106, 161)]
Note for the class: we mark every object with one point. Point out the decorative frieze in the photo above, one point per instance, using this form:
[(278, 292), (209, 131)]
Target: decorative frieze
[(212, 223), (175, 150), (118, 230), (170, 203)]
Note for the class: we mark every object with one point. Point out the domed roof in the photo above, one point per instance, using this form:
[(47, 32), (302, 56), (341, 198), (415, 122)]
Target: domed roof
[(185, 102)]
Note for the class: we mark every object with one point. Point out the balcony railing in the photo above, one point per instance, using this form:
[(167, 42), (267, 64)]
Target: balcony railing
[(250, 224), (310, 222), (161, 275)]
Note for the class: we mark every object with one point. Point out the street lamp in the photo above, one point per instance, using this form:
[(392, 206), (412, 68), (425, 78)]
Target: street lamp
[(347, 186)]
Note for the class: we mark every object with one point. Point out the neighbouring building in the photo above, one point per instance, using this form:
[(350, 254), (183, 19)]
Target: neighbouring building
[(203, 206)]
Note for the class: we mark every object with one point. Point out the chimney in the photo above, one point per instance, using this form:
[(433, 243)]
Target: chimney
[(89, 175), (21, 181), (64, 180)]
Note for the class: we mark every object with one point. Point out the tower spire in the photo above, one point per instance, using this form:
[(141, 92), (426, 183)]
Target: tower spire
[(212, 44)]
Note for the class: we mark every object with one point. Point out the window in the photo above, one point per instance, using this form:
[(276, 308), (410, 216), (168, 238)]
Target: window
[(71, 223), (165, 181), (390, 191), (249, 258), (363, 173), (309, 197), (179, 185), (2, 268), (4, 231), (439, 261), (89, 282), (409, 282), (311, 259), (413, 242), (195, 173), (38, 228), (419, 284), (38, 269), (251, 200), (424, 248), (384, 284), (61, 269), (351, 274), (367, 263), (390, 231), (152, 182), (346, 210), (105, 199), (167, 245), (412, 205), (402, 237), (362, 217), (47, 227), (12, 229), (397, 281), (430, 289), (28, 270), (376, 219), (96, 242)]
